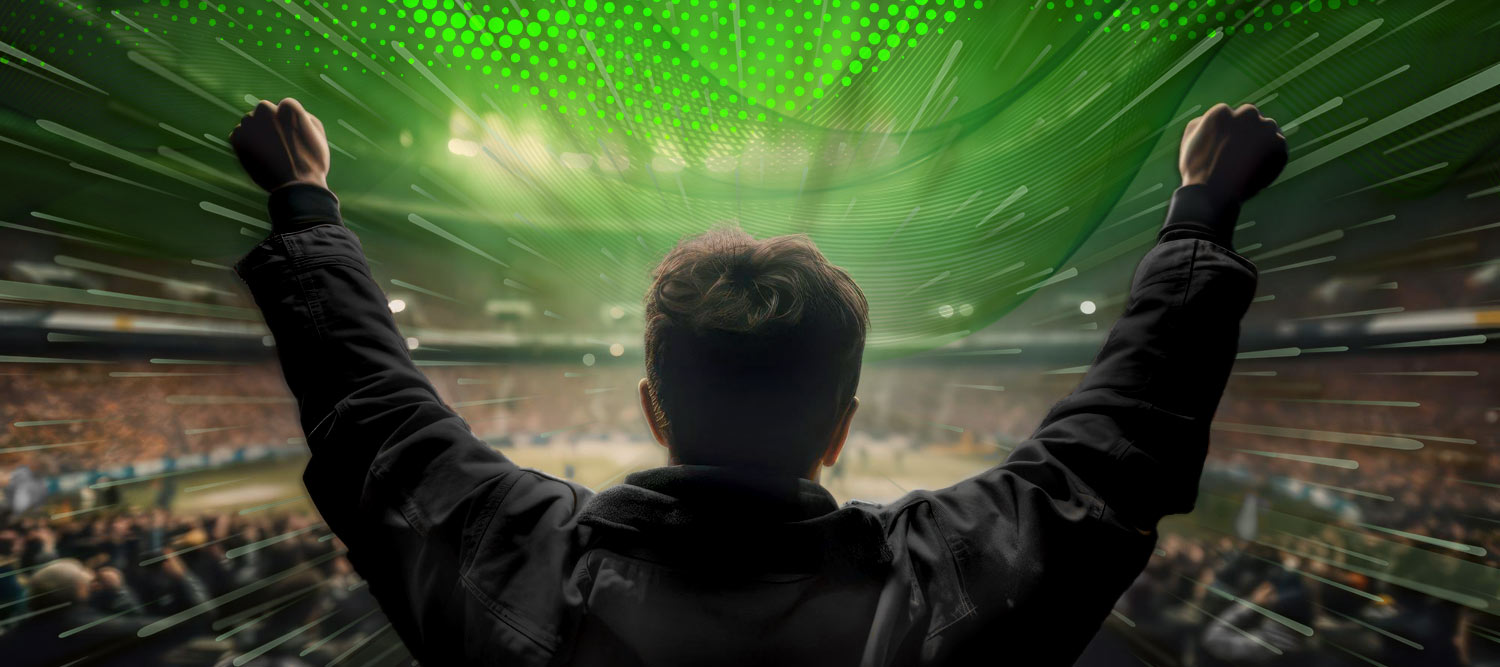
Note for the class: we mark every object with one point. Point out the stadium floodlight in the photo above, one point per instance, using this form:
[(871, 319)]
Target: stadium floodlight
[(509, 309), (463, 147)]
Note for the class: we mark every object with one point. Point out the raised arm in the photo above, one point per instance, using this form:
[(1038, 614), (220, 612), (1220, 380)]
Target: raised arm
[(1045, 542), (396, 474), (1152, 391)]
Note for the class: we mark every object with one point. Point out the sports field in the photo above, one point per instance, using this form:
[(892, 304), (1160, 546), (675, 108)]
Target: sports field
[(866, 471)]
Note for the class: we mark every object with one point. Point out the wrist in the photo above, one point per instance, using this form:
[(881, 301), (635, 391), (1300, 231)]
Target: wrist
[(318, 180), (1200, 211), (301, 204)]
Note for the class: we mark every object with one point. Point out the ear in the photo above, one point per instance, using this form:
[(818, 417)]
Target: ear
[(840, 434), (648, 406)]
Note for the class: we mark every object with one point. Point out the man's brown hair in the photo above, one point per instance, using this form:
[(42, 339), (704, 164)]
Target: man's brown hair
[(753, 350)]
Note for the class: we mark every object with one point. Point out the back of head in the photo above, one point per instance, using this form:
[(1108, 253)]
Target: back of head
[(63, 580), (753, 350)]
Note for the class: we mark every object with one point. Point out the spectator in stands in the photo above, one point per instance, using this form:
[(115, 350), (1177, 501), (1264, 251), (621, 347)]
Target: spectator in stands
[(124, 569), (76, 613), (753, 357), (1244, 635)]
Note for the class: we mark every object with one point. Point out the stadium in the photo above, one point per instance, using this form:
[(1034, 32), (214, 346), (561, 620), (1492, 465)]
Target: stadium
[(1347, 514)]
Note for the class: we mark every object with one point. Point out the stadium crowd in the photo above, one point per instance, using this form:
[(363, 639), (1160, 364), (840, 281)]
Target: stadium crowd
[(73, 418), (1378, 550), (147, 586)]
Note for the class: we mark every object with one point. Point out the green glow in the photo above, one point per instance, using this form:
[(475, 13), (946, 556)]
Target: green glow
[(553, 150)]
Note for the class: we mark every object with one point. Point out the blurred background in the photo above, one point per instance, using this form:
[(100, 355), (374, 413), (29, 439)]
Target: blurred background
[(989, 172)]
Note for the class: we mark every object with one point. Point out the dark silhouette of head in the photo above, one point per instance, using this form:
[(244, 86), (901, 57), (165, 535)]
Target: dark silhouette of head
[(63, 580), (753, 351)]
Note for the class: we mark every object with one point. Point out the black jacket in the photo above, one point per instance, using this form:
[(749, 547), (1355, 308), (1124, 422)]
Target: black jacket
[(476, 560)]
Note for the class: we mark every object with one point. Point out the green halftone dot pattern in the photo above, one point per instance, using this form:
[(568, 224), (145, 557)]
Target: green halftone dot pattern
[(584, 126), (688, 59), (796, 55)]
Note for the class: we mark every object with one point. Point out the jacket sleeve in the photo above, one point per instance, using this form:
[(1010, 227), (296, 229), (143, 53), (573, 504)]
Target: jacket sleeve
[(1049, 539), (394, 471)]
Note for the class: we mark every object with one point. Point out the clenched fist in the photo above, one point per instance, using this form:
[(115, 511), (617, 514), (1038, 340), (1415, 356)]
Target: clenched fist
[(1235, 153), (281, 144)]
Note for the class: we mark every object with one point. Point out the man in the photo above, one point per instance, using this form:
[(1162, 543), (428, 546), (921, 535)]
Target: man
[(78, 616), (1240, 634), (734, 555)]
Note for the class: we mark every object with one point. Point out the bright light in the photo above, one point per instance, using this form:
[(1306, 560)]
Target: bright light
[(614, 162), (616, 350), (945, 311), (1087, 308), (667, 164), (463, 147), (397, 305), (576, 160), (412, 343), (588, 359), (966, 310), (721, 164), (617, 312)]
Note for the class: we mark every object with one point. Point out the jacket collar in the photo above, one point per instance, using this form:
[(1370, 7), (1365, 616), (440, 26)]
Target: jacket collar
[(714, 514)]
